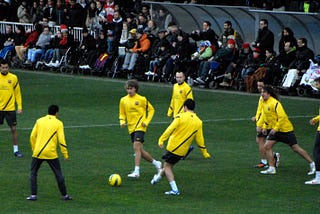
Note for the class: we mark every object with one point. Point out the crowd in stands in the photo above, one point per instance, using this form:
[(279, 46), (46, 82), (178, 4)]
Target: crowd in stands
[(132, 41)]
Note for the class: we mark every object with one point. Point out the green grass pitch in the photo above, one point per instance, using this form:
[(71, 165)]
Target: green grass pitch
[(98, 147)]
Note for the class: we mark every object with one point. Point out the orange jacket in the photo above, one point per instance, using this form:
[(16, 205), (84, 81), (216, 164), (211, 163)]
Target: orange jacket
[(144, 45)]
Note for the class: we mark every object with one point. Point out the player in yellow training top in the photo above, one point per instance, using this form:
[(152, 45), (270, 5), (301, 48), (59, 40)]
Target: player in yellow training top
[(316, 146), (136, 112), (182, 131), (274, 117), (10, 95), (46, 135), (180, 93), (260, 137)]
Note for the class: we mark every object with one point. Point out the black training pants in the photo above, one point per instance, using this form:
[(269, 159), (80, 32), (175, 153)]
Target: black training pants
[(56, 168)]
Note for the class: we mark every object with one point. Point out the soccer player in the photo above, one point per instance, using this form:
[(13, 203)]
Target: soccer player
[(136, 112), (181, 132), (10, 96), (261, 138), (316, 147), (281, 129), (46, 135), (181, 92)]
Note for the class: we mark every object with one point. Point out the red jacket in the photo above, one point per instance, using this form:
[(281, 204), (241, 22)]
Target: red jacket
[(32, 39)]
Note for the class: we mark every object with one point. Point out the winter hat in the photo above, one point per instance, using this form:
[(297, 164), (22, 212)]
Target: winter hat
[(246, 45), (231, 41), (63, 28)]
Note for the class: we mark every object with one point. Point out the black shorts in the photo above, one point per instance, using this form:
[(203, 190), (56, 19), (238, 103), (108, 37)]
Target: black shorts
[(10, 116), (171, 158), (288, 138), (137, 136), (260, 134)]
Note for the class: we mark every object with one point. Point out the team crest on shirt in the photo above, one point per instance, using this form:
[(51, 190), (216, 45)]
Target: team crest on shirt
[(9, 81), (180, 91), (136, 103)]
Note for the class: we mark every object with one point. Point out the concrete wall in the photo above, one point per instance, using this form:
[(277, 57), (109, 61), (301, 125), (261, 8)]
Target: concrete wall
[(245, 21)]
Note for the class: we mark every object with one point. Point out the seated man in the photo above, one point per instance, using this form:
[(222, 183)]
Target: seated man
[(40, 47), (141, 46)]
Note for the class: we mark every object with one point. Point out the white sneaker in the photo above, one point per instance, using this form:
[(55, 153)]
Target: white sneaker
[(312, 182), (268, 172), (172, 192), (199, 80), (49, 64), (156, 178), (277, 159), (134, 175), (312, 169), (56, 64), (158, 166)]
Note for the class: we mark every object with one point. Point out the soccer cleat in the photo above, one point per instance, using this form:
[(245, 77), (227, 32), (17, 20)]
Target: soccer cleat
[(134, 175), (277, 159), (32, 198), (312, 182), (312, 169), (268, 172), (172, 192), (158, 166), (261, 165), (66, 198), (156, 178), (189, 151), (18, 154)]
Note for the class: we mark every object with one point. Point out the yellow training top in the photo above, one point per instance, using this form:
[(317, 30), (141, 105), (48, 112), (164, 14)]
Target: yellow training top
[(45, 136), (184, 128), (274, 117), (134, 111), (180, 93), (10, 93)]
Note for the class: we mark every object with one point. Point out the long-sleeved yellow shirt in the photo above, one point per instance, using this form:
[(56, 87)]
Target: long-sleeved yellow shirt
[(134, 111), (274, 116), (316, 120), (181, 132), (10, 93), (46, 134), (180, 93)]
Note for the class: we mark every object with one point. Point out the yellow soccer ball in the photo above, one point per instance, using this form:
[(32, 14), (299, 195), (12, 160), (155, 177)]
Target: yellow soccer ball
[(115, 180)]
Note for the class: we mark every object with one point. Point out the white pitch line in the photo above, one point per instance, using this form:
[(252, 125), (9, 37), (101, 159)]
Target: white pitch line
[(152, 123)]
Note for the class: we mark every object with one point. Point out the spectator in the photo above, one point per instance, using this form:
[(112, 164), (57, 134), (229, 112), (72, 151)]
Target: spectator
[(303, 55), (75, 15), (30, 42), (152, 29), (116, 27), (142, 22), (163, 19), (287, 35), (158, 58), (285, 58), (23, 12), (40, 47), (141, 46), (230, 33), (265, 38), (235, 67), (7, 37), (131, 22), (60, 13), (251, 65), (18, 38), (207, 33), (4, 10), (50, 13), (54, 43), (108, 12), (14, 5), (145, 11)]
